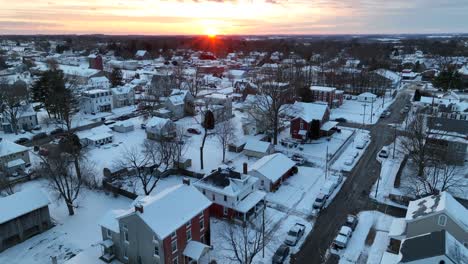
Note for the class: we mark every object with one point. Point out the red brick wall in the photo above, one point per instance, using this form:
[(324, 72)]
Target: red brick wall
[(285, 176), (216, 210), (296, 126), (182, 237)]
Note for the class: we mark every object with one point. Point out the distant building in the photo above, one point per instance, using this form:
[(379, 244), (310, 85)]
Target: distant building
[(123, 96), (180, 103), (367, 97), (158, 128), (23, 215), (258, 149), (142, 55), (95, 101), (100, 82), (95, 62), (26, 119), (327, 95), (170, 227), (13, 156), (303, 115)]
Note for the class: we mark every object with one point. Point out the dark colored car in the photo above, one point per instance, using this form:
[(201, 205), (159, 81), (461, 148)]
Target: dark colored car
[(22, 141), (341, 120), (281, 254), (57, 131), (39, 136), (194, 131)]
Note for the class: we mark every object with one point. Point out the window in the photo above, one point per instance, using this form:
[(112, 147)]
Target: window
[(202, 238), (173, 235), (225, 198), (125, 232), (225, 211), (442, 220), (301, 126), (174, 246), (203, 191), (189, 234), (175, 260), (202, 224), (109, 233), (262, 182), (213, 197), (189, 224), (156, 250)]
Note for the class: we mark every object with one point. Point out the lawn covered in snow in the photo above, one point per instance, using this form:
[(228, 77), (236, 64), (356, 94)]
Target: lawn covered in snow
[(353, 111)]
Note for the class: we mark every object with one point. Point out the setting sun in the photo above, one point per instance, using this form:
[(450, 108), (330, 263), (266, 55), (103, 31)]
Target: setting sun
[(211, 32)]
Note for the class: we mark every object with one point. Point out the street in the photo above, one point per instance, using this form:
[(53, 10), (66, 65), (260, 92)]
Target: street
[(354, 195)]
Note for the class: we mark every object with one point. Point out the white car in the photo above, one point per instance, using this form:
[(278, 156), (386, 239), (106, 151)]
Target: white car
[(294, 234), (362, 144), (342, 239), (328, 188), (320, 201), (383, 153), (349, 161)]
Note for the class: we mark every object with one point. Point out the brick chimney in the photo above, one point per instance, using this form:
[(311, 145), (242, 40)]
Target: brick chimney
[(186, 181), (245, 168), (139, 207)]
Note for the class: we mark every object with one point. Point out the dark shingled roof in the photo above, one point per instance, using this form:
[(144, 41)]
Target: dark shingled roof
[(422, 247), (220, 177)]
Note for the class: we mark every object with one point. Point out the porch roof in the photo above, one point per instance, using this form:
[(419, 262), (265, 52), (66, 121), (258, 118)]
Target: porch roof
[(195, 250), (250, 201)]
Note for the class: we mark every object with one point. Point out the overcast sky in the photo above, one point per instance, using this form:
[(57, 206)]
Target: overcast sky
[(233, 16)]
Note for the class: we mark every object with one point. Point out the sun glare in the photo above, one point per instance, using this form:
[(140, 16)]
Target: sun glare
[(211, 32)]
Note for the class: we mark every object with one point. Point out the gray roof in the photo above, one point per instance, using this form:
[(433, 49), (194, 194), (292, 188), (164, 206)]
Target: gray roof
[(447, 124), (422, 247)]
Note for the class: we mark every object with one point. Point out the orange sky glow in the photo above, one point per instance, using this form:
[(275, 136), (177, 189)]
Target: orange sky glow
[(211, 17)]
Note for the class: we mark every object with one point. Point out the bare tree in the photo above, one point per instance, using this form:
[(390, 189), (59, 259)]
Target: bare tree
[(57, 167), (194, 82), (225, 134), (270, 103), (13, 102), (6, 187), (246, 241)]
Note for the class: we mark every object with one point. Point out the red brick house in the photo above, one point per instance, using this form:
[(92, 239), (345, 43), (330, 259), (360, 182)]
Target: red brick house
[(303, 114), (95, 62), (171, 227), (233, 195)]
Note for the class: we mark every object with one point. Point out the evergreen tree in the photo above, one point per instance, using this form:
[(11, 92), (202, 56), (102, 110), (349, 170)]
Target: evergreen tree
[(417, 95), (116, 77)]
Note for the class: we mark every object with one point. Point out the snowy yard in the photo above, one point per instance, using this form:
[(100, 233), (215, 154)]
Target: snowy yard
[(71, 235), (358, 251), (353, 111)]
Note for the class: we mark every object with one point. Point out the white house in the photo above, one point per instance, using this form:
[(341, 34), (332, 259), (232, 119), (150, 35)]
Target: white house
[(97, 136), (272, 170), (258, 149), (157, 128), (26, 118), (95, 101), (100, 82), (123, 96), (367, 97), (123, 126), (12, 155)]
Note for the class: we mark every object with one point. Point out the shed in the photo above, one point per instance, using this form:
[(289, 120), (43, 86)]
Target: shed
[(258, 149)]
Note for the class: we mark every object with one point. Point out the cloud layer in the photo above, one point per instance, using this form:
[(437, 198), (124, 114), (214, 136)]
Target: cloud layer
[(232, 16)]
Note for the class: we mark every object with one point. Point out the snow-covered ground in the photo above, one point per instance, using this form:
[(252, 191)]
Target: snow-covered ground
[(357, 251), (352, 153), (353, 110), (71, 235), (281, 222)]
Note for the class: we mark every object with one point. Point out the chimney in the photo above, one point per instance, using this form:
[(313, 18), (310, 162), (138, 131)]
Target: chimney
[(186, 181), (139, 207), (245, 168)]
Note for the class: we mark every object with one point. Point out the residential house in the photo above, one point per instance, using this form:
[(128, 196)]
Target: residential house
[(123, 96), (142, 55), (448, 138), (408, 74), (158, 128), (367, 97), (162, 84), (258, 149), (233, 195), (95, 101), (180, 103), (26, 119), (305, 116), (428, 215), (13, 156), (436, 247), (328, 95), (170, 227), (245, 88), (96, 137), (272, 170), (123, 126), (100, 82), (220, 105), (95, 62), (24, 214)]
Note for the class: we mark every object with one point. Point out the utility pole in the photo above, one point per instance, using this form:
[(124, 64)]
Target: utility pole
[(371, 111), (394, 140), (326, 164), (364, 115), (377, 188), (383, 98), (263, 229)]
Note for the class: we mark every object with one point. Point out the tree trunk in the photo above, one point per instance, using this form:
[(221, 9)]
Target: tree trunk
[(201, 148), (77, 168), (224, 153), (71, 211)]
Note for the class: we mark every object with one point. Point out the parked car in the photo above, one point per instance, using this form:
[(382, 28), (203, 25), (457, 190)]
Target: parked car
[(193, 131), (383, 153), (143, 126), (281, 254), (341, 120), (349, 161), (337, 178), (22, 141), (57, 131), (328, 188), (351, 221), (385, 114), (362, 143), (320, 201), (298, 159), (37, 127), (342, 239), (39, 136), (294, 234)]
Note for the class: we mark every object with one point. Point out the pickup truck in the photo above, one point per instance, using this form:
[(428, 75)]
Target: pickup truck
[(342, 239), (294, 234)]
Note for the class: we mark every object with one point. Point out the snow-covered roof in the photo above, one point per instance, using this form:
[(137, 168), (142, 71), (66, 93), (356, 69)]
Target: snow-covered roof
[(7, 148), (177, 96), (166, 211), (322, 88), (109, 220), (397, 228), (438, 101), (21, 203), (122, 90), (367, 94), (463, 70), (157, 122), (444, 202), (250, 201), (15, 163), (273, 166), (391, 75), (140, 53), (309, 111), (257, 146), (195, 250)]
